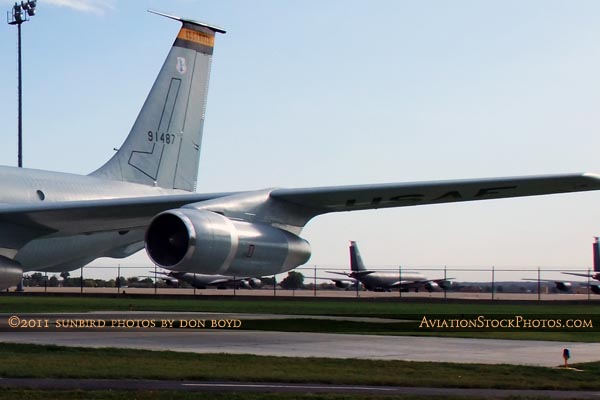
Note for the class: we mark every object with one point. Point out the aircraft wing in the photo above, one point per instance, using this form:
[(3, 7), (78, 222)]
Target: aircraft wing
[(30, 220), (217, 281), (349, 198), (576, 274), (352, 274), (338, 273)]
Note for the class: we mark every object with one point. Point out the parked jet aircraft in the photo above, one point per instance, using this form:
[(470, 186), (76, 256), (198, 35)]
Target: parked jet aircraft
[(565, 286), (202, 281), (144, 195), (380, 280)]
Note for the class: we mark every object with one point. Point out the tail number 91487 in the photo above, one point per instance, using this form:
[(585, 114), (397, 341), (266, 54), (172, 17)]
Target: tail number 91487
[(167, 138)]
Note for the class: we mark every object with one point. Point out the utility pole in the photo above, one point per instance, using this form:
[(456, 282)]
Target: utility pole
[(20, 13)]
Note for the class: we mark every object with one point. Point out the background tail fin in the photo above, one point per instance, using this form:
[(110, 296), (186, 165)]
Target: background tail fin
[(596, 250), (164, 144), (356, 262)]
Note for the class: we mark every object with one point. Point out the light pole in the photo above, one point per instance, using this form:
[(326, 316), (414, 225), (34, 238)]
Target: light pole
[(20, 13)]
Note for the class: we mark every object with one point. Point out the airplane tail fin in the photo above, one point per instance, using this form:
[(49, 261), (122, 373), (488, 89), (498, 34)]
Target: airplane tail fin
[(356, 262), (163, 146), (596, 252)]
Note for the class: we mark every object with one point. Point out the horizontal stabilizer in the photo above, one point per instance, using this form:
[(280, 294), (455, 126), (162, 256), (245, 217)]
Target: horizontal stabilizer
[(189, 21)]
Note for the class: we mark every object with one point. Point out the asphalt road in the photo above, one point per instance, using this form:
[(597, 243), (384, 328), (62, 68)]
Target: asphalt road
[(301, 344)]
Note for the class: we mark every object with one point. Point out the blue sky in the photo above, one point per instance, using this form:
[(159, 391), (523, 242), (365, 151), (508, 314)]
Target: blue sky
[(311, 93)]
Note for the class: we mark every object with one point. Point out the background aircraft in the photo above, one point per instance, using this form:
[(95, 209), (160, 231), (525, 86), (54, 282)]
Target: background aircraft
[(203, 281), (565, 286), (144, 196), (383, 281)]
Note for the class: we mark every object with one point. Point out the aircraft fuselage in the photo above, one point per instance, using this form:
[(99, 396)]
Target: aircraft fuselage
[(55, 253)]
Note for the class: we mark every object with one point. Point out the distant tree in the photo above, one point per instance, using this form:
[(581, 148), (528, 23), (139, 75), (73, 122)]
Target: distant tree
[(65, 275), (148, 282), (89, 283), (74, 282), (294, 280), (268, 281), (100, 283), (121, 282), (36, 279), (53, 281)]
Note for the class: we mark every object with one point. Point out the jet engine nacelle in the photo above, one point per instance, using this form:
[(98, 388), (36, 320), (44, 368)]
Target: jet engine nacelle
[(209, 243), (10, 273), (254, 283), (343, 284), (446, 285), (251, 283), (595, 289), (432, 286), (563, 286)]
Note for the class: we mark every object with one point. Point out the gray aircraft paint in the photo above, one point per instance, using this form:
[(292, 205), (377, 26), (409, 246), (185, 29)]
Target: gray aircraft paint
[(163, 146), (374, 280), (161, 152), (202, 281), (53, 221)]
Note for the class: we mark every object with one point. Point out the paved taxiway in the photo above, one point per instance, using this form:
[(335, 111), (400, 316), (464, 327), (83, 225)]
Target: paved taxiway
[(293, 344)]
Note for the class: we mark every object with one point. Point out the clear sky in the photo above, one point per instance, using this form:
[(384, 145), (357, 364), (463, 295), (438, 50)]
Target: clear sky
[(312, 93)]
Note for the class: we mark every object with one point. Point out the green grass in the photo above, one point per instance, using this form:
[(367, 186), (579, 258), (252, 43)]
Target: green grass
[(400, 329), (168, 395), (33, 361), (388, 308)]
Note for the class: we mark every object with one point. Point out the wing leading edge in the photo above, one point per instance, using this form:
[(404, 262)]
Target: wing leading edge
[(349, 198)]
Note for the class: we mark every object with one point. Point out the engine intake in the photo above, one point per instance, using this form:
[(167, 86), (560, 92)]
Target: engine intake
[(206, 242), (10, 273), (563, 286)]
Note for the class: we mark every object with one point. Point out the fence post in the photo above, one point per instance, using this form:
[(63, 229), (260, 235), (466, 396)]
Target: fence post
[(493, 281), (539, 285), (155, 279), (445, 282), (274, 285), (315, 282), (118, 278), (400, 281), (81, 281), (589, 284)]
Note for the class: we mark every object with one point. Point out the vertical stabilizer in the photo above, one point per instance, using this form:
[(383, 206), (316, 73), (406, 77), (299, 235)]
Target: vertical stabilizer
[(356, 262), (596, 250), (163, 147)]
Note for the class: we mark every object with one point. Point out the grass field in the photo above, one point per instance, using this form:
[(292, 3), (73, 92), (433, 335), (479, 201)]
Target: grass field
[(168, 395), (300, 306), (20, 361), (60, 362), (392, 310)]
